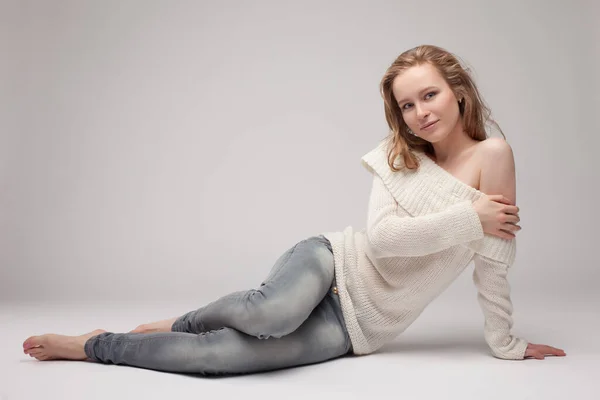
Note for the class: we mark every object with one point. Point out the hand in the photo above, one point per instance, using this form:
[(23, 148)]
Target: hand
[(497, 215), (540, 350)]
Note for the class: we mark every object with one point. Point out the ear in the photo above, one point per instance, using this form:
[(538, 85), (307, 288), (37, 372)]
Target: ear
[(461, 105)]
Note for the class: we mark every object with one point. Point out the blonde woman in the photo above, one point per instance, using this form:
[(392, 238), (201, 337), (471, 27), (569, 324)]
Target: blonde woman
[(443, 195)]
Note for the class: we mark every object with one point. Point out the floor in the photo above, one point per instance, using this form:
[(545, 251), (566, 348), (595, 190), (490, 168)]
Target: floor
[(441, 356)]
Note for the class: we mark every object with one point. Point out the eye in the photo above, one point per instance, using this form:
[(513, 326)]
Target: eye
[(427, 97)]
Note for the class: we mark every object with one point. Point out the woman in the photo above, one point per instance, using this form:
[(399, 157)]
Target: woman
[(443, 195)]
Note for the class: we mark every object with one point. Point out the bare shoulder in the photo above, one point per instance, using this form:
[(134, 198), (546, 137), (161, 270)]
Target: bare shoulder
[(497, 174), (494, 150)]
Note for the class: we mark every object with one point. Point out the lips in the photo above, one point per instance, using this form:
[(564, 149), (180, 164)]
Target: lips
[(428, 125)]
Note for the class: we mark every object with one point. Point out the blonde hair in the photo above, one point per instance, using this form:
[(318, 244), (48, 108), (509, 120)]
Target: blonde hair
[(473, 110)]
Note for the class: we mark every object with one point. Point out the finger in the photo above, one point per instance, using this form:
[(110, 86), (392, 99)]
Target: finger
[(505, 200), (505, 235), (558, 352), (512, 219), (552, 350), (511, 227), (538, 355), (500, 199), (511, 209)]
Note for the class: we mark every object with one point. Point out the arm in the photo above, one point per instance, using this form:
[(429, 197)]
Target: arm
[(490, 278), (391, 235), (498, 176)]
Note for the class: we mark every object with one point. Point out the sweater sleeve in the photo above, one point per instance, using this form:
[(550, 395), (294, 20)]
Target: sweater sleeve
[(391, 235), (490, 278)]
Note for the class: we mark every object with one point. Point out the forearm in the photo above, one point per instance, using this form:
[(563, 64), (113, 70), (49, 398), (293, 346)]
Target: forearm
[(391, 235), (490, 278)]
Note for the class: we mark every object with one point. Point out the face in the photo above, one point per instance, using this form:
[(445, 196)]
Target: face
[(424, 98)]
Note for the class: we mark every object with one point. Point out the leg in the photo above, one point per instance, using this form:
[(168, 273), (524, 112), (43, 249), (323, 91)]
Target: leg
[(58, 347), (165, 325), (296, 284), (321, 337)]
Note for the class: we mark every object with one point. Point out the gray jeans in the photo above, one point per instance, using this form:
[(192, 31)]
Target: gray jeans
[(294, 318)]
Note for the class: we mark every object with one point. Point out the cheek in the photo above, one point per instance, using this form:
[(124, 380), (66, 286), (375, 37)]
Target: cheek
[(410, 120), (448, 108), (449, 114)]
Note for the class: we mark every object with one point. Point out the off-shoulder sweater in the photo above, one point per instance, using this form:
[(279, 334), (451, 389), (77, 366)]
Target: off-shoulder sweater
[(422, 232)]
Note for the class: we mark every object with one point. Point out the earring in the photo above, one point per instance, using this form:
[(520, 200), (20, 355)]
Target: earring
[(411, 132)]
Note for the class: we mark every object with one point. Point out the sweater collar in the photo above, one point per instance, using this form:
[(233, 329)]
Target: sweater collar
[(430, 189)]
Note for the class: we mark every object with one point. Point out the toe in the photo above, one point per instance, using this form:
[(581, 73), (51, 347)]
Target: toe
[(36, 353), (29, 342), (33, 341)]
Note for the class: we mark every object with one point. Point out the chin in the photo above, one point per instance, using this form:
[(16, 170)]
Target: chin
[(435, 136)]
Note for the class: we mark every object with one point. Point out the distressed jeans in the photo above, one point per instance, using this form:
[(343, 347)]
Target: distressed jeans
[(293, 318)]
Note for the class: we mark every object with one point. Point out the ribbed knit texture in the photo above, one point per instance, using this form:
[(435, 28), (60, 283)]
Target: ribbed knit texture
[(422, 231)]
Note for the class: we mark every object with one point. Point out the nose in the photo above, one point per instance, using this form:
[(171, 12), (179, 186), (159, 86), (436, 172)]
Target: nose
[(422, 113)]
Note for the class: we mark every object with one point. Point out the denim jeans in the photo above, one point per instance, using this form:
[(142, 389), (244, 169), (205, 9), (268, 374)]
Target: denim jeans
[(294, 318)]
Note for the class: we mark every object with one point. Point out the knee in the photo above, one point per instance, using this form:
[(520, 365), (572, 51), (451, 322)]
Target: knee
[(271, 317)]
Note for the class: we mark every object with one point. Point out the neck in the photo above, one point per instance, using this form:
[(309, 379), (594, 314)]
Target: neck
[(452, 146)]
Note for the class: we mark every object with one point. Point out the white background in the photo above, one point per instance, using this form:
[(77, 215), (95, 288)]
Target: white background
[(168, 152)]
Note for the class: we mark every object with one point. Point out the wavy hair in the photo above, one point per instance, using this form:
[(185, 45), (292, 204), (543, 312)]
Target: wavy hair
[(475, 114)]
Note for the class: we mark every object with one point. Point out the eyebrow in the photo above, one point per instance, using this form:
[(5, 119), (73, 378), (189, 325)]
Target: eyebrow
[(422, 90)]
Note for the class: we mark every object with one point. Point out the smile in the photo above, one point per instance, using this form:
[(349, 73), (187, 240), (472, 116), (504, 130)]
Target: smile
[(428, 127)]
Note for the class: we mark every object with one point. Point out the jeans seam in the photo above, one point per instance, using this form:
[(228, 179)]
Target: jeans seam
[(290, 253), (157, 337)]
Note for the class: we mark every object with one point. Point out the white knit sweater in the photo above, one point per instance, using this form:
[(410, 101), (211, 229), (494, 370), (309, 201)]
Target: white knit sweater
[(422, 232)]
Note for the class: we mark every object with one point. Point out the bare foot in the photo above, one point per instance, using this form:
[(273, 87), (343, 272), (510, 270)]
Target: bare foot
[(58, 347), (160, 326)]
